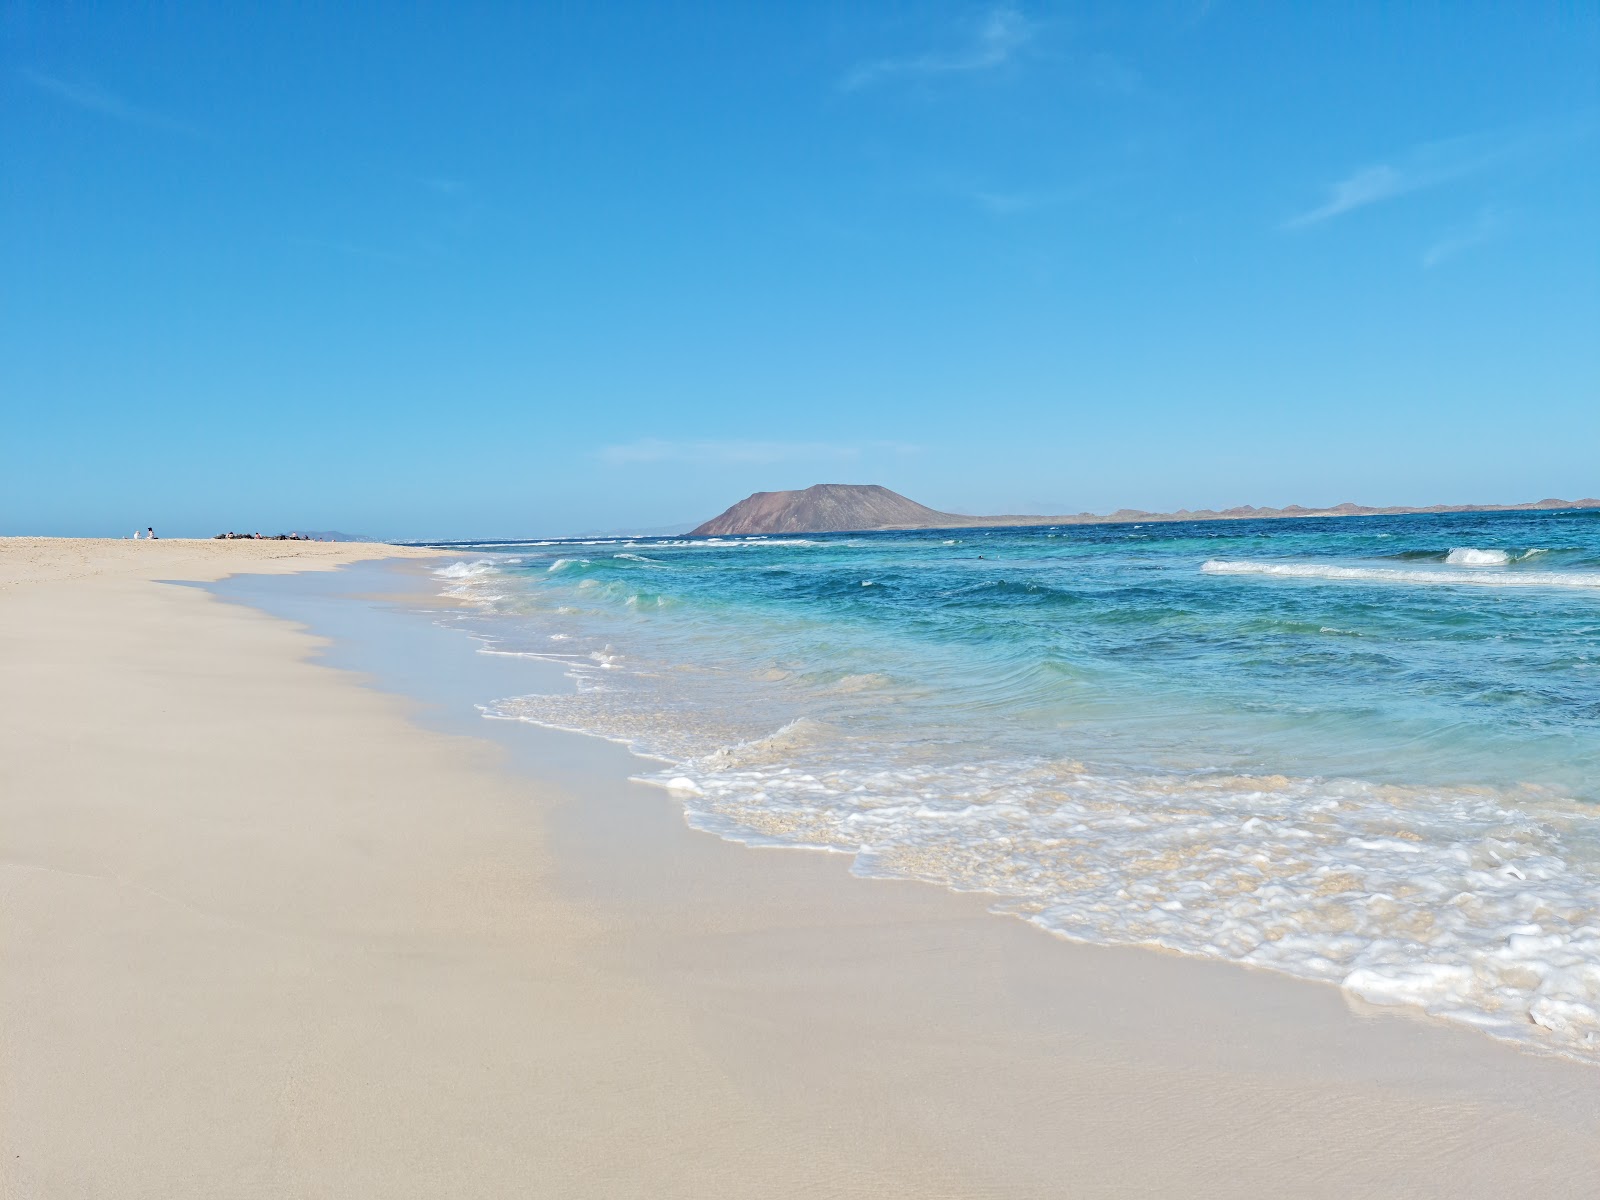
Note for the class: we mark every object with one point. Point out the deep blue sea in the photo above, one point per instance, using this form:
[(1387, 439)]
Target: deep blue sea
[(1364, 750)]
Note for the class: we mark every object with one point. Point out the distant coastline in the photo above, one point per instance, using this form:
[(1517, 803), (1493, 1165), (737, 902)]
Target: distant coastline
[(863, 508), (1247, 512)]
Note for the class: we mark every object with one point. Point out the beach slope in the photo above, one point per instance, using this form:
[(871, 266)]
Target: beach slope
[(262, 937)]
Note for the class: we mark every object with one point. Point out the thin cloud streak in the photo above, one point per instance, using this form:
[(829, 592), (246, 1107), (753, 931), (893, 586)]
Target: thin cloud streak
[(107, 104), (1002, 33), (1434, 164), (658, 450), (1462, 239)]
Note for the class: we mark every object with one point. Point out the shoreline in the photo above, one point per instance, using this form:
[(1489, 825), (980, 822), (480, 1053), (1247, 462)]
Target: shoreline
[(623, 836), (632, 766), (501, 967), (1381, 882)]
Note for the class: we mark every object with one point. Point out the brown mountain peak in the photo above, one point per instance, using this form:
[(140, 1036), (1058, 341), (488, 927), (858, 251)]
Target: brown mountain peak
[(822, 508)]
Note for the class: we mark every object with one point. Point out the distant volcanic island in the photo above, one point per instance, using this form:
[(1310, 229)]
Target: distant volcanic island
[(864, 507)]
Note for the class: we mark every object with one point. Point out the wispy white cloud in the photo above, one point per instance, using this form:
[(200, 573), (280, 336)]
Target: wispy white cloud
[(92, 98), (998, 37), (1463, 238), (1434, 164), (1425, 166), (1367, 186), (659, 450)]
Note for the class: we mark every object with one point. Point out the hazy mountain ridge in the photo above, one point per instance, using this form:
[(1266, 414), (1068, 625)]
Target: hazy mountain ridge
[(852, 507)]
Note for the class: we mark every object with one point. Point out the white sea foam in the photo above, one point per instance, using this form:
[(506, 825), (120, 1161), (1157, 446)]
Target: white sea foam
[(466, 570), (1582, 580), (797, 735), (1467, 556), (514, 545), (1461, 902)]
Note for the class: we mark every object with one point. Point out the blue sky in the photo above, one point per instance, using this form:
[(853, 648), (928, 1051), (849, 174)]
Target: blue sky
[(502, 269)]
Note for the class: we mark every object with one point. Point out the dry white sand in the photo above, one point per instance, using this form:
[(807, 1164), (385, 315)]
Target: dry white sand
[(264, 936)]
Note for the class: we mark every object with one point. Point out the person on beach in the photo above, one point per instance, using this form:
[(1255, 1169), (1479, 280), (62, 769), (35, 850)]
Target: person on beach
[(150, 533)]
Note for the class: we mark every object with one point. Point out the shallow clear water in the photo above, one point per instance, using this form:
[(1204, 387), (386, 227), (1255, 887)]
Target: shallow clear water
[(1365, 750)]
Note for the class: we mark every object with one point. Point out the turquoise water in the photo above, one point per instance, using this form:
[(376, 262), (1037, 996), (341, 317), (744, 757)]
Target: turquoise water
[(1365, 749)]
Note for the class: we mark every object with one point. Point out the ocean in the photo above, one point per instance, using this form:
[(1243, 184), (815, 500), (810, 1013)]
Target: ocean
[(1363, 750)]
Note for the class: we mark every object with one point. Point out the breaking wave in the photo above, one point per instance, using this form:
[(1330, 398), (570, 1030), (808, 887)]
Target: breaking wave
[(466, 570), (1466, 556)]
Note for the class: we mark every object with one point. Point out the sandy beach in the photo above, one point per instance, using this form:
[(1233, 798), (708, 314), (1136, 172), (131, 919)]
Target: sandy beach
[(272, 928)]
